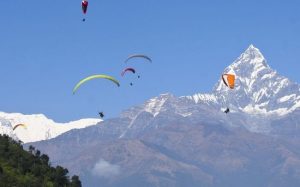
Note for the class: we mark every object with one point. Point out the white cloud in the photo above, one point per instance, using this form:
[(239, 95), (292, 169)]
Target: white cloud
[(105, 169)]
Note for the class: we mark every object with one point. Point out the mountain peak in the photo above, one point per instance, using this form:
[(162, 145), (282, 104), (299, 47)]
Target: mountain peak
[(251, 64), (251, 59), (252, 48), (253, 53), (258, 88)]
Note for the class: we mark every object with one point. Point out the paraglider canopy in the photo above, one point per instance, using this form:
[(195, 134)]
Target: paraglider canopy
[(138, 56), (229, 80), (20, 125), (127, 70), (84, 5), (112, 79)]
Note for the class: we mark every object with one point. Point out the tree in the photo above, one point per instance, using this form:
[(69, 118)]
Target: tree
[(1, 171), (29, 168), (38, 153), (31, 149), (45, 159), (61, 178), (75, 181)]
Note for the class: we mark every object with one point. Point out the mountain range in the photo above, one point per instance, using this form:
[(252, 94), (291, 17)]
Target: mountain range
[(38, 126), (190, 141)]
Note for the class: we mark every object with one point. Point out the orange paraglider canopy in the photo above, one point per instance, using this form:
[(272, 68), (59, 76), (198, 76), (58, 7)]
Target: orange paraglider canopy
[(229, 80)]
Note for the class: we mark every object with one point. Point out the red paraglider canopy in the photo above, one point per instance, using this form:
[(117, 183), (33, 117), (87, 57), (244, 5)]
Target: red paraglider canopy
[(84, 5), (127, 69)]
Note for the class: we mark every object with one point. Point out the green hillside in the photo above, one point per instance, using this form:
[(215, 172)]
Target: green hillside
[(20, 168)]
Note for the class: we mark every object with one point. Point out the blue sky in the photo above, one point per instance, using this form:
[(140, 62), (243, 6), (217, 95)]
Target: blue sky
[(46, 49)]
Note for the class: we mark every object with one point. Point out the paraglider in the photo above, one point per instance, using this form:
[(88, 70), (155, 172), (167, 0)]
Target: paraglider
[(227, 111), (229, 80), (112, 79), (127, 70), (19, 125), (101, 114), (138, 56), (84, 6)]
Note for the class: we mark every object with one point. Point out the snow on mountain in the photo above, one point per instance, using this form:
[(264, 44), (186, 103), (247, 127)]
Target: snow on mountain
[(154, 105), (38, 127), (206, 98)]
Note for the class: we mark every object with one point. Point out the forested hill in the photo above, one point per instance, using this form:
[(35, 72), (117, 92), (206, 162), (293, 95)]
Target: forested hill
[(20, 168)]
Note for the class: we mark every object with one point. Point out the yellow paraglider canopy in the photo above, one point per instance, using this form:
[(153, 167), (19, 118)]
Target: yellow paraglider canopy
[(95, 77), (18, 125)]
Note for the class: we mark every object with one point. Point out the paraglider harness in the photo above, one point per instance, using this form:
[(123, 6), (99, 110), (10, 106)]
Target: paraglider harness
[(101, 114)]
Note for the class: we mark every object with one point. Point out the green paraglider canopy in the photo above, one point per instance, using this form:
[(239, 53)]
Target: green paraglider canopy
[(95, 77)]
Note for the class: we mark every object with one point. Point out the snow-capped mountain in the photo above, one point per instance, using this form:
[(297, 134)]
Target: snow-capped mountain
[(38, 127), (259, 90)]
